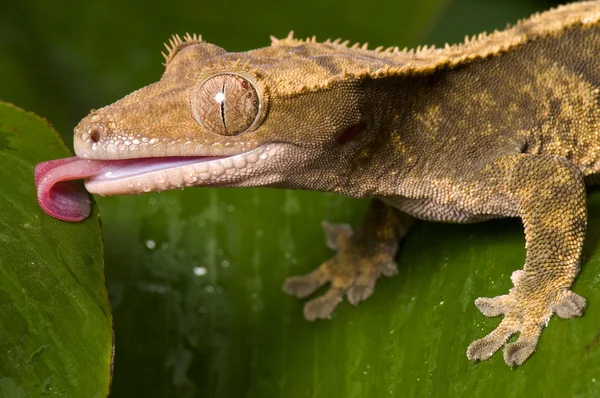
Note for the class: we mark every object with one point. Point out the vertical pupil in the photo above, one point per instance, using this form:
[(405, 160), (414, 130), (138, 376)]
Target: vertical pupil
[(223, 106)]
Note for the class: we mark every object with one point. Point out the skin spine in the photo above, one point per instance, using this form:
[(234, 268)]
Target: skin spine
[(503, 125)]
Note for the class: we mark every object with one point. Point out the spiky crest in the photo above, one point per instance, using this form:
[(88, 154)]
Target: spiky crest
[(176, 43), (426, 59)]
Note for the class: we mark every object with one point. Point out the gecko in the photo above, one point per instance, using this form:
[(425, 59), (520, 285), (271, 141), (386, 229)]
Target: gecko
[(505, 124)]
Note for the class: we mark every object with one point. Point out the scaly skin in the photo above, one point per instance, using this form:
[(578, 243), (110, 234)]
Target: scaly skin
[(504, 125)]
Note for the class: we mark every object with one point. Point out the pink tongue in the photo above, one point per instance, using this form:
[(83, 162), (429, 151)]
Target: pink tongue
[(58, 195)]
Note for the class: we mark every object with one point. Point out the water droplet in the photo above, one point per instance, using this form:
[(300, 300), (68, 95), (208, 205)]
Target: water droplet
[(225, 263), (150, 244), (199, 271), (209, 289), (156, 288)]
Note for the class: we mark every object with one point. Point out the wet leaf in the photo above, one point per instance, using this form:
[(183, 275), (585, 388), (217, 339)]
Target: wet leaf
[(55, 322)]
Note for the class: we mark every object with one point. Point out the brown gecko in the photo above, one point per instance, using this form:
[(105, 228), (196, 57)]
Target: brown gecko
[(503, 125)]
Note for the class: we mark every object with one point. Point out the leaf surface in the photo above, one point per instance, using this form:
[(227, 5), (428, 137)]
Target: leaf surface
[(55, 322)]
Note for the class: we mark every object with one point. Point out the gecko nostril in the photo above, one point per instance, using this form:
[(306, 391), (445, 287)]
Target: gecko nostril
[(95, 134)]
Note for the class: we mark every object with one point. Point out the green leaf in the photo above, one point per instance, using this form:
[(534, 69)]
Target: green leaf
[(55, 322), (200, 283)]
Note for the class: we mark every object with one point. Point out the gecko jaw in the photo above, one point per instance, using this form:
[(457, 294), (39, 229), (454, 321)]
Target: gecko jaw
[(160, 174)]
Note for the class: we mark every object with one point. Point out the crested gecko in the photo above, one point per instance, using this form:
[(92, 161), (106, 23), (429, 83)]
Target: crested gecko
[(503, 125)]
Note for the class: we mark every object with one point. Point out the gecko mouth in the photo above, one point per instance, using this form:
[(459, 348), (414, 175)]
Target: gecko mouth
[(65, 199)]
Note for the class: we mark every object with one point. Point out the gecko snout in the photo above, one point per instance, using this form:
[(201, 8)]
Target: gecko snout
[(91, 132)]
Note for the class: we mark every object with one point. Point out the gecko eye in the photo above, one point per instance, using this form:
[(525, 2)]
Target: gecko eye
[(226, 104)]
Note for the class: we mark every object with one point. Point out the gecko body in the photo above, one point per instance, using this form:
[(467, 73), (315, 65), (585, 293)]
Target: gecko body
[(503, 125)]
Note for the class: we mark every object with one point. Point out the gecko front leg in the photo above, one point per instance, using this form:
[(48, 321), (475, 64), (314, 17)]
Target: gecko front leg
[(362, 257), (549, 195)]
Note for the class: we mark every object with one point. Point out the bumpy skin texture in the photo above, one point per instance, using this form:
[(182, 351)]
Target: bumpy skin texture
[(504, 125)]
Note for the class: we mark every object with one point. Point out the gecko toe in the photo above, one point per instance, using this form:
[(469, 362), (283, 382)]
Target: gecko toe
[(516, 353), (360, 292), (493, 306), (389, 268), (570, 306), (301, 286), (484, 348), (321, 307)]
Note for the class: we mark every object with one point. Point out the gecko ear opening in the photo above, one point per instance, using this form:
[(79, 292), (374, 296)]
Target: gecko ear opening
[(350, 133)]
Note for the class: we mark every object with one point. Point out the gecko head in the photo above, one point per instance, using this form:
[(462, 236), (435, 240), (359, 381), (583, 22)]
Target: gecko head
[(269, 117)]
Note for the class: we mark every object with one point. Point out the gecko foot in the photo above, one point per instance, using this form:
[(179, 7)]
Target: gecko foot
[(524, 315), (353, 271)]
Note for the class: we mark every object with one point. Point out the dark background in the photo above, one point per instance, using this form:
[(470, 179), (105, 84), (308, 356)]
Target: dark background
[(61, 58)]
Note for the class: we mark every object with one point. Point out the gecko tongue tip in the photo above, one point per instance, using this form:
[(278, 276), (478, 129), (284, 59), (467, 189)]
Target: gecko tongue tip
[(57, 194), (67, 201)]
